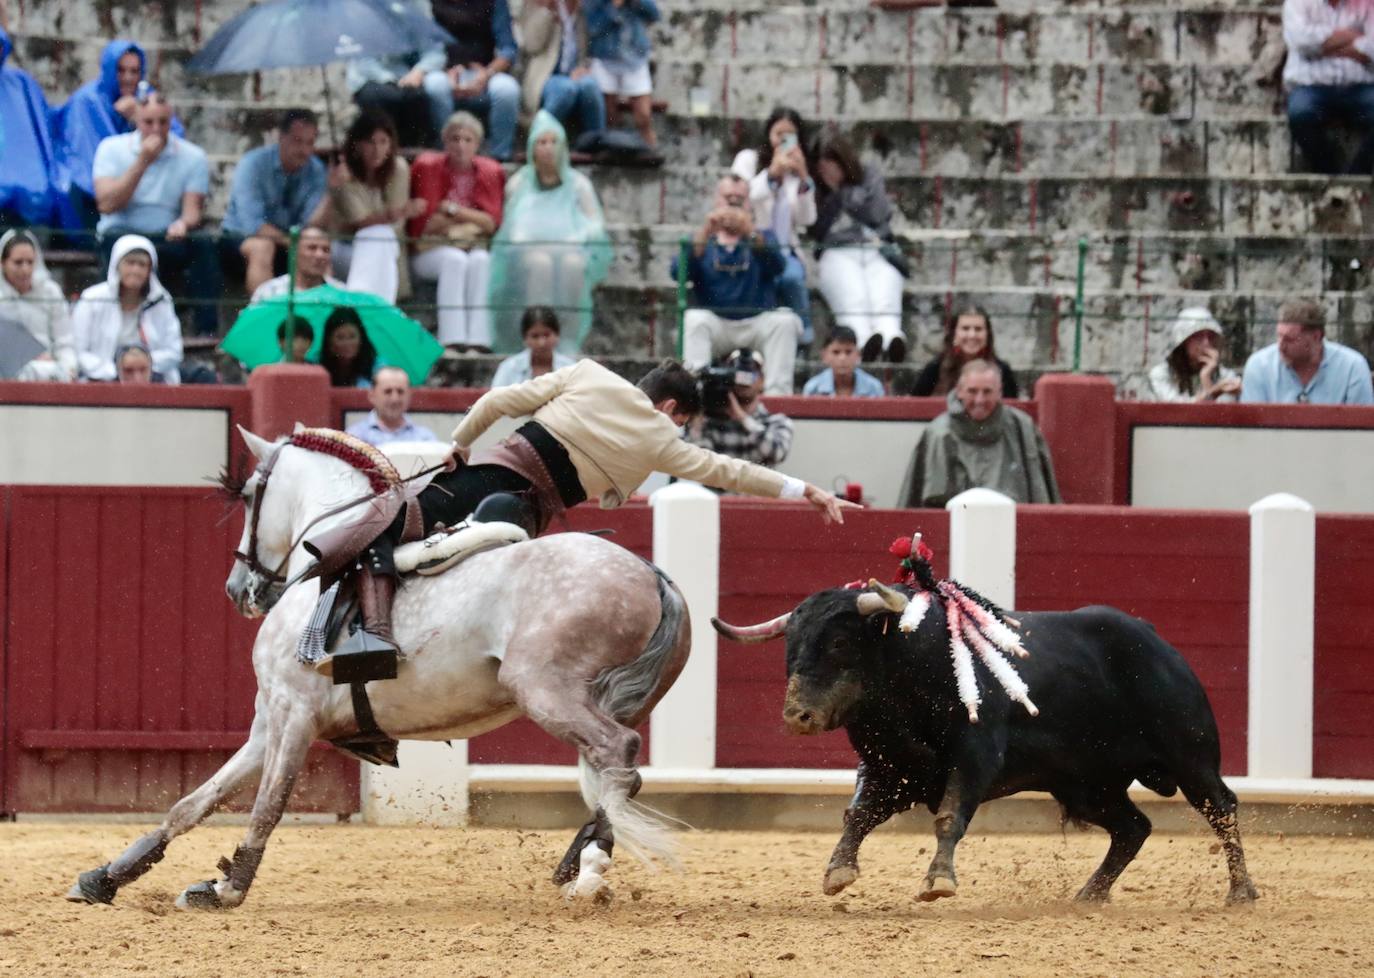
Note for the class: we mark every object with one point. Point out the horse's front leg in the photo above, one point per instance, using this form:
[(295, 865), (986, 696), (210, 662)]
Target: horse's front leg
[(101, 884), (288, 743)]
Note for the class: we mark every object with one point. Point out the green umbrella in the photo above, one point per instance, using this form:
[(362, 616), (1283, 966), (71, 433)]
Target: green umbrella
[(399, 340)]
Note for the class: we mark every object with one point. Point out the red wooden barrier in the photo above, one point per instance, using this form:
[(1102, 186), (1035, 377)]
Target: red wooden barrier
[(129, 679), (1343, 724)]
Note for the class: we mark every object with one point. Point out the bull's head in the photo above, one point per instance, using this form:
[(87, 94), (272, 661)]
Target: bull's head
[(829, 639)]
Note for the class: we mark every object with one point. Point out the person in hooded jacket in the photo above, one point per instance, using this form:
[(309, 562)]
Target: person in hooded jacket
[(129, 307), (31, 298), (102, 107), (1192, 370), (27, 191)]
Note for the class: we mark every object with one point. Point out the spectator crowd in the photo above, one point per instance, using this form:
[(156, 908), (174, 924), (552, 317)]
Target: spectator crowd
[(429, 186)]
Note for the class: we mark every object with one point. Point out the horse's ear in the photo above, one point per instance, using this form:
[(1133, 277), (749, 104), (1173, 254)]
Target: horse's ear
[(260, 447)]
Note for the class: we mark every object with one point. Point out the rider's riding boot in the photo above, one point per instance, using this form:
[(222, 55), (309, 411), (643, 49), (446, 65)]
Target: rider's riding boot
[(370, 652)]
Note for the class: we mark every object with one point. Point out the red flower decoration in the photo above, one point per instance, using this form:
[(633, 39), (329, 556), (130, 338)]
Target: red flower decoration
[(901, 547), (924, 552)]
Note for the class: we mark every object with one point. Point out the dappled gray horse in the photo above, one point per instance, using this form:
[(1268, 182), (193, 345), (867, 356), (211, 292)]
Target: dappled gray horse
[(574, 632)]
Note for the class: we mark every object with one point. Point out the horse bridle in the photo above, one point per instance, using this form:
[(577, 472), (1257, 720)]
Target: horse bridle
[(250, 559)]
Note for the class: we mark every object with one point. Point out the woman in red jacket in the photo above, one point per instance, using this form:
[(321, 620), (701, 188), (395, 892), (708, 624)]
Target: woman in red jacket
[(463, 195)]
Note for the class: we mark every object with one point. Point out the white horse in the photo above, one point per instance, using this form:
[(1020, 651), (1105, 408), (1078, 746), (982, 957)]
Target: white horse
[(570, 630)]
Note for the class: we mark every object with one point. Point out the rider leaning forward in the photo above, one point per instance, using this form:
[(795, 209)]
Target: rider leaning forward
[(592, 434)]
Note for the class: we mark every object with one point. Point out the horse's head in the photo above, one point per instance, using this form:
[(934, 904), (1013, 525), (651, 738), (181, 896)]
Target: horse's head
[(258, 577)]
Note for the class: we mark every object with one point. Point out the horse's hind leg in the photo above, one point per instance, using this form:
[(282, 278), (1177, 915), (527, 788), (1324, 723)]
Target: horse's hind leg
[(101, 884), (286, 755), (609, 778)]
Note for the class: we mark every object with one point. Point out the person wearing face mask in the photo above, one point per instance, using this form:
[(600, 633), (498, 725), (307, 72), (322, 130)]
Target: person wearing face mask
[(539, 328), (368, 204), (130, 307), (552, 246), (968, 336), (980, 443), (31, 298), (103, 107), (462, 196), (1193, 371)]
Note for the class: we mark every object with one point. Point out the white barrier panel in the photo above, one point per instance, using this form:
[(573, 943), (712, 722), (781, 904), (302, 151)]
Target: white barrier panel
[(1282, 592), (429, 788), (982, 544), (682, 731)]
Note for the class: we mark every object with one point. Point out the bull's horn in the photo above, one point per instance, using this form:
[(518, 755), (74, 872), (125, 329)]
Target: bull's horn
[(881, 598), (751, 634)]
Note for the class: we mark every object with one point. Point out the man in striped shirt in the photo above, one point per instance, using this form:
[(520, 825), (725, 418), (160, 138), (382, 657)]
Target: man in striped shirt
[(1330, 76)]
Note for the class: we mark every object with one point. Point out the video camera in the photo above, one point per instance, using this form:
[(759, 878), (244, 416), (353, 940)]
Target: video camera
[(717, 381)]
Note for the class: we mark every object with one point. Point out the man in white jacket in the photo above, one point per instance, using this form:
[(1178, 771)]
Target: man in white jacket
[(129, 308)]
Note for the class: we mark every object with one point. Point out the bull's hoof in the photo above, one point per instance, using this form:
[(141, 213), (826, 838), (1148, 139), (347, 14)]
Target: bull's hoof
[(1242, 895), (200, 896), (936, 887), (93, 886), (1092, 895), (838, 877)]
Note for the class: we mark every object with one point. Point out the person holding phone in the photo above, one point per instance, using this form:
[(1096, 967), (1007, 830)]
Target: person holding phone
[(782, 197)]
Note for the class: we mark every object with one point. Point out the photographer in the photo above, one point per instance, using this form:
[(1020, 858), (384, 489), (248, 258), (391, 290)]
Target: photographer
[(734, 422), (734, 271)]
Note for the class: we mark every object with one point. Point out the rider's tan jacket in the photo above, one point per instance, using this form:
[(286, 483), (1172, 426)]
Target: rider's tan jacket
[(613, 434)]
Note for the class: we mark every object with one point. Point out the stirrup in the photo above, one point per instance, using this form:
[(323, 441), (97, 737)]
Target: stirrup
[(360, 658)]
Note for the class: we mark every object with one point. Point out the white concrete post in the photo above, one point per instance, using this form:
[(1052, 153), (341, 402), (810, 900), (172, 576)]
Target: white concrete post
[(429, 788), (1283, 530), (982, 544), (682, 730)]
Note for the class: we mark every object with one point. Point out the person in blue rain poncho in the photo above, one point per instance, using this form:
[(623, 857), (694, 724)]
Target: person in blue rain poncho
[(552, 248), (27, 194), (99, 108)]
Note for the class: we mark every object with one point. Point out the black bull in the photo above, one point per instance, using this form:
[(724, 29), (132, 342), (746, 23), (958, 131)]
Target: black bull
[(1117, 704)]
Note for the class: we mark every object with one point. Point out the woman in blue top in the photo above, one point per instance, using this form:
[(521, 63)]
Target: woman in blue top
[(618, 56), (100, 108)]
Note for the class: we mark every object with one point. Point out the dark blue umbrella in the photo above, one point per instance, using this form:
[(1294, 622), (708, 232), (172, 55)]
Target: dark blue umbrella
[(305, 33)]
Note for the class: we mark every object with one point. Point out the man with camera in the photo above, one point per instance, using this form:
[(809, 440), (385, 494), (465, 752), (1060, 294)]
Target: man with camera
[(734, 270), (734, 421)]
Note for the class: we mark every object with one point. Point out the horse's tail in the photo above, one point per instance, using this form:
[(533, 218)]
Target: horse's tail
[(621, 692)]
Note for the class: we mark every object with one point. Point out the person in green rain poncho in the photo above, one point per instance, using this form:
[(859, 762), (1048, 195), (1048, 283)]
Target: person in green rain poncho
[(552, 248)]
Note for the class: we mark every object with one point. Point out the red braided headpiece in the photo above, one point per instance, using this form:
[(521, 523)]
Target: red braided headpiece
[(367, 459)]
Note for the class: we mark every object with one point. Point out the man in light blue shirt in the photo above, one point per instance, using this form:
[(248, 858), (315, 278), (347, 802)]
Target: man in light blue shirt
[(1304, 367), (387, 422), (274, 188), (152, 182)]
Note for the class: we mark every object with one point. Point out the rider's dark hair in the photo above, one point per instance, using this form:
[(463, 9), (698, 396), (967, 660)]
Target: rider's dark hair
[(671, 379)]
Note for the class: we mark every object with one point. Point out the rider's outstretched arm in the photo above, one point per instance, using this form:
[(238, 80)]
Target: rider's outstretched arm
[(687, 461)]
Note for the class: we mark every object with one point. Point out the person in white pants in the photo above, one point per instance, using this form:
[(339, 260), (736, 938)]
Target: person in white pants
[(854, 221), (734, 270), (463, 196)]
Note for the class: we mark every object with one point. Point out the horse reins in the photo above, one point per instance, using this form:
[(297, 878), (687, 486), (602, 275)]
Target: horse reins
[(250, 559)]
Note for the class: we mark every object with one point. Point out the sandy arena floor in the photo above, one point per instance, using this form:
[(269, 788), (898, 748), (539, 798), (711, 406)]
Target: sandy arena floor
[(347, 900)]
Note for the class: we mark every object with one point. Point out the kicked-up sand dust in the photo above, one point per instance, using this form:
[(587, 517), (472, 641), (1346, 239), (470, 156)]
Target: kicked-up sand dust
[(364, 901)]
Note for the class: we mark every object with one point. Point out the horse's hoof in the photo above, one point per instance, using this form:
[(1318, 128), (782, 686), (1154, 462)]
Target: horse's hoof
[(93, 886), (937, 887), (200, 896), (838, 877), (589, 887), (1242, 896)]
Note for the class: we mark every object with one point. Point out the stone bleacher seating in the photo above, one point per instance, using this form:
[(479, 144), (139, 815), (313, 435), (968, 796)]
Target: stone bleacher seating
[(1152, 129)]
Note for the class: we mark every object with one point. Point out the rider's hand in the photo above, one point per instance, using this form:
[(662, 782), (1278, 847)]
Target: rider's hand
[(457, 455), (828, 504)]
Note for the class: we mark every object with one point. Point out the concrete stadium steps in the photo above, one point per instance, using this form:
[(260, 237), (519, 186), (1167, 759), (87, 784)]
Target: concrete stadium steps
[(753, 32), (867, 91)]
